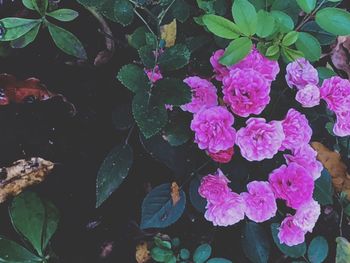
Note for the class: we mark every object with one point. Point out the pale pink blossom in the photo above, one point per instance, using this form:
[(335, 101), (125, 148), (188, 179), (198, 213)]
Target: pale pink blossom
[(223, 156), (260, 139), (336, 92), (342, 125), (246, 92), (260, 201), (219, 69), (289, 233), (213, 129), (296, 129), (306, 157), (226, 213), (203, 94), (309, 96), (307, 215), (300, 73), (292, 183)]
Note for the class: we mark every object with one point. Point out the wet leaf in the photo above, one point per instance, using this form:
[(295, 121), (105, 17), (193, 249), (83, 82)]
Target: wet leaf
[(13, 252), (202, 253), (15, 27), (318, 250), (323, 192)]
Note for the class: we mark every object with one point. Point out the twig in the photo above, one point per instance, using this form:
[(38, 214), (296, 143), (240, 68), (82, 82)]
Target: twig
[(129, 134), (307, 17), (194, 173)]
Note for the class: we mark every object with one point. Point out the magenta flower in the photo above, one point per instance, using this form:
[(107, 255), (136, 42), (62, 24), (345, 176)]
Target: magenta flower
[(309, 96), (296, 129), (300, 73), (342, 125), (307, 215), (292, 183), (203, 94), (289, 233), (214, 187), (228, 212), (246, 92), (220, 70), (260, 140), (224, 156), (154, 75), (306, 157), (254, 60), (260, 201), (213, 129), (336, 92)]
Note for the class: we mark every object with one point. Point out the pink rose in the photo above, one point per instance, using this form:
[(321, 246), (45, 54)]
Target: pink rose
[(307, 215), (214, 187), (289, 233), (342, 125), (246, 92), (309, 96), (336, 92), (300, 73), (296, 129), (292, 183), (228, 212), (213, 129), (254, 60), (260, 201), (219, 69), (224, 156), (260, 140), (203, 94)]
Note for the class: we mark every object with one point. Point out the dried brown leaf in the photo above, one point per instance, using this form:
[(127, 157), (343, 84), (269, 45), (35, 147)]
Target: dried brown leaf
[(340, 54), (23, 173), (337, 169), (142, 253), (168, 33), (175, 193)]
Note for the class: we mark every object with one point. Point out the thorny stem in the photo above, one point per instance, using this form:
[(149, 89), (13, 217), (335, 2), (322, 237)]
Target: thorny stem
[(129, 134), (307, 17)]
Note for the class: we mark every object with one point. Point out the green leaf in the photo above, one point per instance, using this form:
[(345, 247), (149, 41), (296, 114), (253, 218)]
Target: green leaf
[(28, 4), (185, 254), (290, 8), (149, 113), (158, 210), (197, 201), (138, 38), (325, 73), (26, 39), (219, 260), (202, 253), (12, 252), (180, 10), (197, 42), (334, 20), (322, 36), (284, 22), (66, 41), (265, 25), (307, 5), (291, 54), (134, 78), (123, 12), (318, 250), (221, 26), (113, 171), (40, 6), (122, 116), (64, 15), (147, 56), (290, 38), (16, 27), (172, 91), (324, 189), (272, 50), (309, 45), (34, 218), (294, 251), (174, 57), (255, 243), (177, 131), (245, 16), (343, 250), (347, 210), (161, 254), (162, 243), (236, 51)]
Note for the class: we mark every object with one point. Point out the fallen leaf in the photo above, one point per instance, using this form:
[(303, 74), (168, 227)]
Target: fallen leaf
[(336, 168), (168, 33), (175, 193), (142, 253), (343, 250), (340, 54), (23, 173)]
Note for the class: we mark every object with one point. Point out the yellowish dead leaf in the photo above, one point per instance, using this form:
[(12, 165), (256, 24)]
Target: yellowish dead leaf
[(336, 168), (142, 253), (168, 33), (175, 193), (23, 173)]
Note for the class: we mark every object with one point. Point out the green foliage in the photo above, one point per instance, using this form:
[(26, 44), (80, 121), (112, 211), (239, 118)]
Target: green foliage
[(318, 250), (174, 57), (334, 20), (134, 78), (122, 116), (64, 15), (26, 39), (307, 5), (255, 243), (324, 37), (202, 253), (158, 210), (40, 6), (293, 251), (245, 16), (16, 27), (323, 191), (13, 252), (236, 51), (185, 254), (309, 46), (173, 91), (325, 73), (343, 250), (197, 201), (219, 260), (113, 171), (221, 26), (290, 38), (138, 38), (265, 25), (177, 131), (284, 22)]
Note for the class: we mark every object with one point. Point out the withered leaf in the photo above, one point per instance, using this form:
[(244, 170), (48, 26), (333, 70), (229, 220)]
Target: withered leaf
[(175, 193), (340, 54), (168, 33), (23, 173), (142, 254), (336, 168)]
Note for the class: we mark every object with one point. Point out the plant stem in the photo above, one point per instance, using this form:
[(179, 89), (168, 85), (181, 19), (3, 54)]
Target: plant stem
[(129, 134), (341, 221), (194, 173), (308, 16), (306, 259), (144, 21)]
